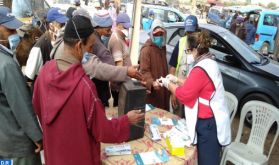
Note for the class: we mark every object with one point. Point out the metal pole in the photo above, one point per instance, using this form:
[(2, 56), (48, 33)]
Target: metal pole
[(134, 49)]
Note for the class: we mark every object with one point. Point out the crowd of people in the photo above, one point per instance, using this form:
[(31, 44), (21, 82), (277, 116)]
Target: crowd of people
[(75, 67), (245, 28)]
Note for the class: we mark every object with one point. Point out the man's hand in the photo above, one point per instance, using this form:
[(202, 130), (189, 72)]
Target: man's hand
[(134, 73), (39, 147), (144, 83), (135, 116)]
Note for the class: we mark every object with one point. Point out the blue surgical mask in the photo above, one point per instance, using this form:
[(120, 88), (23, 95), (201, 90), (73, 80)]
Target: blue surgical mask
[(85, 58), (13, 41), (105, 40), (158, 41)]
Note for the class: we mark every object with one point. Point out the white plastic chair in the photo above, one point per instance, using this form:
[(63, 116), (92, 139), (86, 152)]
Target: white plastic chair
[(252, 153), (232, 104)]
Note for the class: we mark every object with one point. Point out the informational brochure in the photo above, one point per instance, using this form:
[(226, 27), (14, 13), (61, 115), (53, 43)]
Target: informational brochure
[(123, 149), (149, 107), (6, 162), (179, 135), (163, 121), (152, 157)]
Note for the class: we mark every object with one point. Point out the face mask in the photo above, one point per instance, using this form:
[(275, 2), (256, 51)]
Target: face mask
[(105, 40), (190, 59), (85, 58), (60, 32), (126, 32), (13, 41), (158, 41)]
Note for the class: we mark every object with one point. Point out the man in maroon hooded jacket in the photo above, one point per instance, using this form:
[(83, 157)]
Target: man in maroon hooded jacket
[(71, 114)]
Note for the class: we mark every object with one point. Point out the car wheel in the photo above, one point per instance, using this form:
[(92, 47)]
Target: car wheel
[(255, 96), (264, 49)]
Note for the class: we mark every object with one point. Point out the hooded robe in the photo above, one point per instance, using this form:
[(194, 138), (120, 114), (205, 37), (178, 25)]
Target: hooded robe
[(153, 65), (72, 116)]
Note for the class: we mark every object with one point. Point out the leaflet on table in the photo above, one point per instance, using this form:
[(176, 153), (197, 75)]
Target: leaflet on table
[(152, 157), (123, 149), (163, 121), (149, 107), (6, 162), (178, 135), (155, 132)]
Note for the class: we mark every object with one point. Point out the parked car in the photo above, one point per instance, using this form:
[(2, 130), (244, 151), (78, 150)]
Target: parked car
[(214, 14), (164, 13), (266, 31), (246, 73), (62, 4)]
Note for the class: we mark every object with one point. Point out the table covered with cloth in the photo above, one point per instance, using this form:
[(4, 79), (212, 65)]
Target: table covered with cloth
[(145, 144)]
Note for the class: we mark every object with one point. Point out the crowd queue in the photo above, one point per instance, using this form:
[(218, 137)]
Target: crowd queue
[(75, 67)]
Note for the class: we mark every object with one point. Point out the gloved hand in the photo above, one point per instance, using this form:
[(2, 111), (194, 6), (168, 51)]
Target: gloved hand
[(164, 82), (172, 78)]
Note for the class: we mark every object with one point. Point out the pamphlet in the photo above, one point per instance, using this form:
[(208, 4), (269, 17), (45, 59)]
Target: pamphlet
[(179, 135), (163, 121), (152, 157), (123, 149), (149, 107)]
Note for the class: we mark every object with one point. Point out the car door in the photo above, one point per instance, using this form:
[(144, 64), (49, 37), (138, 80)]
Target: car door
[(227, 62)]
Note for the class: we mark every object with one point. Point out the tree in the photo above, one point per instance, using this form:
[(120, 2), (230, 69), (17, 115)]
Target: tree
[(271, 5)]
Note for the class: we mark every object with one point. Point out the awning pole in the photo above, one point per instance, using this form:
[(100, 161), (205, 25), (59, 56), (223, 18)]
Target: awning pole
[(134, 49)]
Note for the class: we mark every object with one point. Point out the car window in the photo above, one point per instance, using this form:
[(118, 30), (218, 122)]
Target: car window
[(215, 11), (122, 9), (271, 20), (173, 17), (158, 14), (175, 35), (144, 12), (246, 52), (221, 52)]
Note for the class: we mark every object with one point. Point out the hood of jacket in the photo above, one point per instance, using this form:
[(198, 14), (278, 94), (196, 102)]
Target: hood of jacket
[(157, 23), (58, 87)]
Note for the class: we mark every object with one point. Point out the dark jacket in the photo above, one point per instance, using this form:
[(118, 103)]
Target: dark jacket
[(19, 127), (105, 56)]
